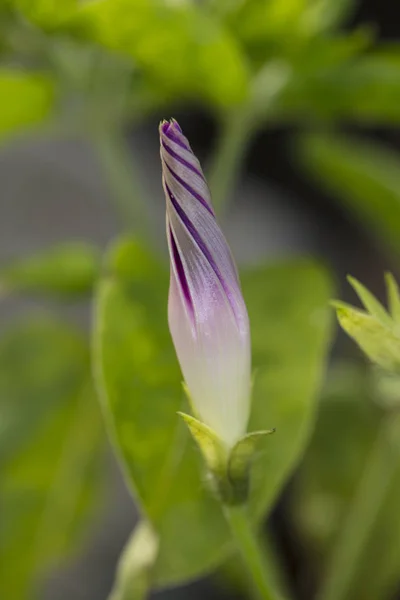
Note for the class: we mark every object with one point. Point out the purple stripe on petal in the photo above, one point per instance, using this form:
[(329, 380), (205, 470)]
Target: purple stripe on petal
[(183, 162), (176, 124), (180, 271), (174, 133), (198, 240), (190, 190)]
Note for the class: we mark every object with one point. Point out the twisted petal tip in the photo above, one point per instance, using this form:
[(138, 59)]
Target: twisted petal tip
[(170, 126)]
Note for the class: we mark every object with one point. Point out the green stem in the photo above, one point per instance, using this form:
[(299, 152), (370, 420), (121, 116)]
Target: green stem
[(361, 518), (230, 149), (251, 551), (124, 181)]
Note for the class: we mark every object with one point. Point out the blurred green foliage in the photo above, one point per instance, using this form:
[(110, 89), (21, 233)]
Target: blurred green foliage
[(90, 68), (51, 450), (64, 271), (365, 177), (331, 475)]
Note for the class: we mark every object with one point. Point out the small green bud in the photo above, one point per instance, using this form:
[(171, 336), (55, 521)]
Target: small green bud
[(376, 331)]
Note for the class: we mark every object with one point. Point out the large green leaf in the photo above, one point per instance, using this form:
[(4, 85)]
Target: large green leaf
[(365, 178), (290, 334), (50, 450), (177, 44), (66, 270), (25, 99), (140, 384)]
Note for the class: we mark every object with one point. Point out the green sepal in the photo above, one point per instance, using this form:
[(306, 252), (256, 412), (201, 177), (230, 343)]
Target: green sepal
[(189, 399), (378, 341), (212, 448), (393, 297), (239, 463), (230, 470), (371, 304)]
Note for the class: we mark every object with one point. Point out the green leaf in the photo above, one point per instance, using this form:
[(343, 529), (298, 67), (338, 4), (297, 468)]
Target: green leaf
[(393, 297), (379, 342), (140, 384), (51, 449), (177, 44), (66, 270), (371, 304), (25, 100), (365, 178), (291, 329)]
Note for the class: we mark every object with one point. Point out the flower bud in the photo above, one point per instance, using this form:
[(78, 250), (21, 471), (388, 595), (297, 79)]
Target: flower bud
[(207, 315)]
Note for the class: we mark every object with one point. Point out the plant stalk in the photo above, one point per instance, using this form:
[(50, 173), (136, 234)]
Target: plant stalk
[(236, 131), (251, 551), (363, 512), (124, 181)]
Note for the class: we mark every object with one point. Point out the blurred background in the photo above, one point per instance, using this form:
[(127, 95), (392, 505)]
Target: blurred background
[(293, 108)]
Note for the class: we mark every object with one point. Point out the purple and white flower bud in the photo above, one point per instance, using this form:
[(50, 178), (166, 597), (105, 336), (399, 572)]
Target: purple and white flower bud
[(207, 315)]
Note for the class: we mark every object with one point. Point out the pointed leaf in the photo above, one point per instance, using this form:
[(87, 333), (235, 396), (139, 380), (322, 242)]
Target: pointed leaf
[(393, 297), (378, 342), (372, 305)]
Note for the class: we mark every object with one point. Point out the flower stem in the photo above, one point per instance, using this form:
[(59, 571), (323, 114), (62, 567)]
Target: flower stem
[(230, 148), (124, 181), (251, 551), (363, 512)]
